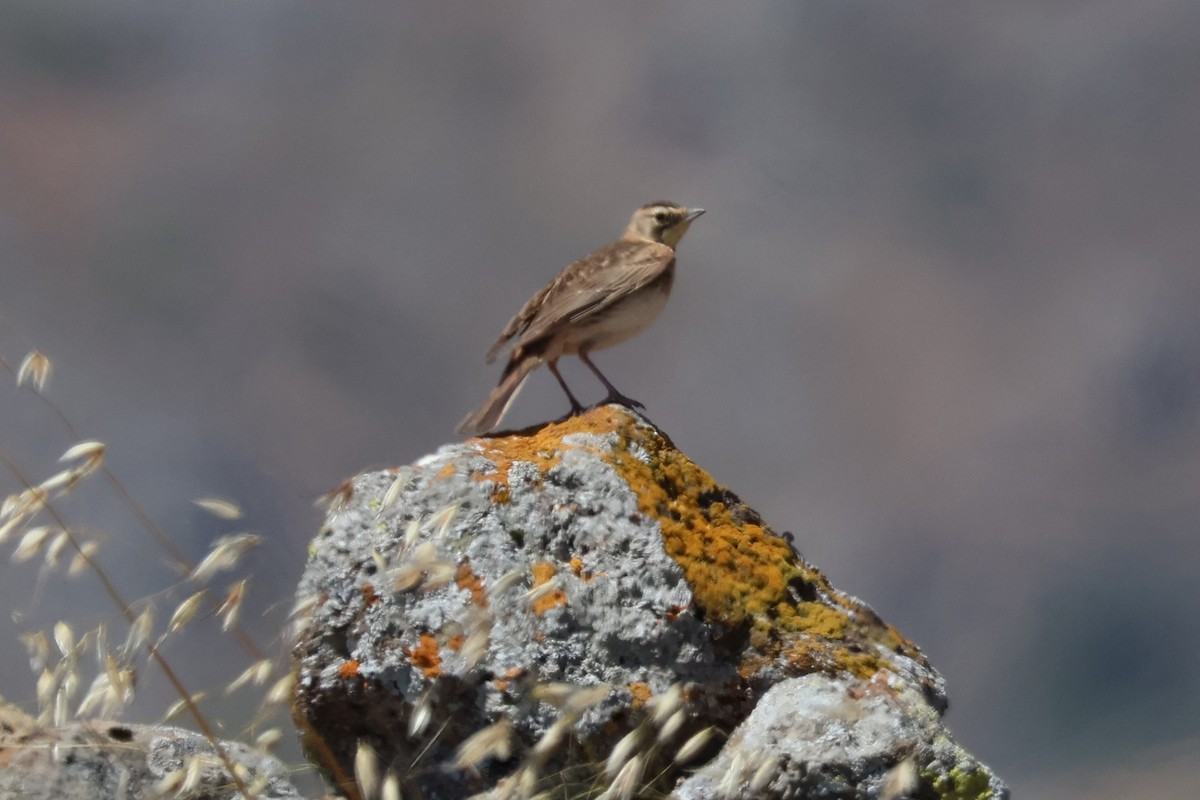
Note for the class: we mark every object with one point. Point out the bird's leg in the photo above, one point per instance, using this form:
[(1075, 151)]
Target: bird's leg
[(613, 395), (576, 406)]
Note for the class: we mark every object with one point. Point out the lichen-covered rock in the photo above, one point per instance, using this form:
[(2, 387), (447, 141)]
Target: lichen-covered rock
[(99, 760), (579, 607)]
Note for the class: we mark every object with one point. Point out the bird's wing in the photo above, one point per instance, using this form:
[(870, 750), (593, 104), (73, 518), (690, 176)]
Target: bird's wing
[(593, 284), (522, 319), (586, 286)]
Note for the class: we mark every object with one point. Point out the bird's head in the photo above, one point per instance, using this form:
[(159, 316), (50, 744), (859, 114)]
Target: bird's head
[(661, 221)]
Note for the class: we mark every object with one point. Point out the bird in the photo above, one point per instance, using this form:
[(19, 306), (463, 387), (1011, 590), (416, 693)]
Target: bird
[(601, 300)]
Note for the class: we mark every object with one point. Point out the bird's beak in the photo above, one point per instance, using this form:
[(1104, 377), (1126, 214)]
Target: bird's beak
[(693, 213)]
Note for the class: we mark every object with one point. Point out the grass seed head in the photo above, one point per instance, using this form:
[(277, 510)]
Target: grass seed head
[(366, 770), (35, 368)]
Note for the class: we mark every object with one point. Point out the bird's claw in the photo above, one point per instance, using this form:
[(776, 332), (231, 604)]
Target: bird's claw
[(620, 399)]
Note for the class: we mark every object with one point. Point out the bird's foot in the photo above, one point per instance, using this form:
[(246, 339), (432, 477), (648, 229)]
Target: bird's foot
[(620, 399), (576, 409)]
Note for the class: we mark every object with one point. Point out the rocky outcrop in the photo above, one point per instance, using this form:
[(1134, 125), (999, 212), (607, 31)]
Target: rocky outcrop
[(96, 760), (579, 608)]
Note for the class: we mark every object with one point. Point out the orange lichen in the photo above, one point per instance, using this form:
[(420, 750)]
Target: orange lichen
[(456, 642), (446, 471), (577, 568), (426, 656), (542, 573), (368, 594), (641, 693), (743, 576), (465, 578), (348, 670), (540, 446), (511, 674)]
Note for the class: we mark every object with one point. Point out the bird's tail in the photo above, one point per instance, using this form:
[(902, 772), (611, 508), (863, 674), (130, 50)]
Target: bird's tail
[(496, 406)]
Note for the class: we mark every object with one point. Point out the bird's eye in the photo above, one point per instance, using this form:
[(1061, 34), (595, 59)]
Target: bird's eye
[(660, 216)]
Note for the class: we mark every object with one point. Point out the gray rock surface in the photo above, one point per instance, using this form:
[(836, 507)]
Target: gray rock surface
[(101, 760), (579, 608)]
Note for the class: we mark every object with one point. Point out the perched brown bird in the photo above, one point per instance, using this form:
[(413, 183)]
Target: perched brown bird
[(596, 302)]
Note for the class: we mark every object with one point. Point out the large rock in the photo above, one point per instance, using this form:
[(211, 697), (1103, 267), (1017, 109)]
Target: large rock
[(102, 760), (580, 608)]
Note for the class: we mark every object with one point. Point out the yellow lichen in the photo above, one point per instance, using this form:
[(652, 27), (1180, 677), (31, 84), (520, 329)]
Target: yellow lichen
[(960, 784), (542, 573), (742, 575), (744, 578), (539, 446)]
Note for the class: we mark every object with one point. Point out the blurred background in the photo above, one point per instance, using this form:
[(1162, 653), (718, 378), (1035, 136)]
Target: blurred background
[(941, 320)]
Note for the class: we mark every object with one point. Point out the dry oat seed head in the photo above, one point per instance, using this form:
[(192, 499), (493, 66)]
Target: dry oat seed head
[(475, 646), (692, 747), (494, 741), (542, 590), (30, 543), (38, 648), (422, 713), (35, 366), (44, 689), (231, 606), (732, 779), (767, 771), (59, 480), (268, 739), (506, 581), (393, 493), (588, 696), (667, 703), (7, 528), (366, 770), (425, 553), (93, 451), (391, 787), (186, 611), (900, 780), (442, 520), (98, 694), (553, 738), (305, 606), (193, 772), (281, 692), (259, 785), (411, 533), (406, 578), (83, 558), (64, 637), (139, 633), (627, 780), (671, 727), (50, 559), (555, 694), (438, 574), (225, 554), (182, 703), (257, 673), (625, 748), (170, 784), (221, 508)]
